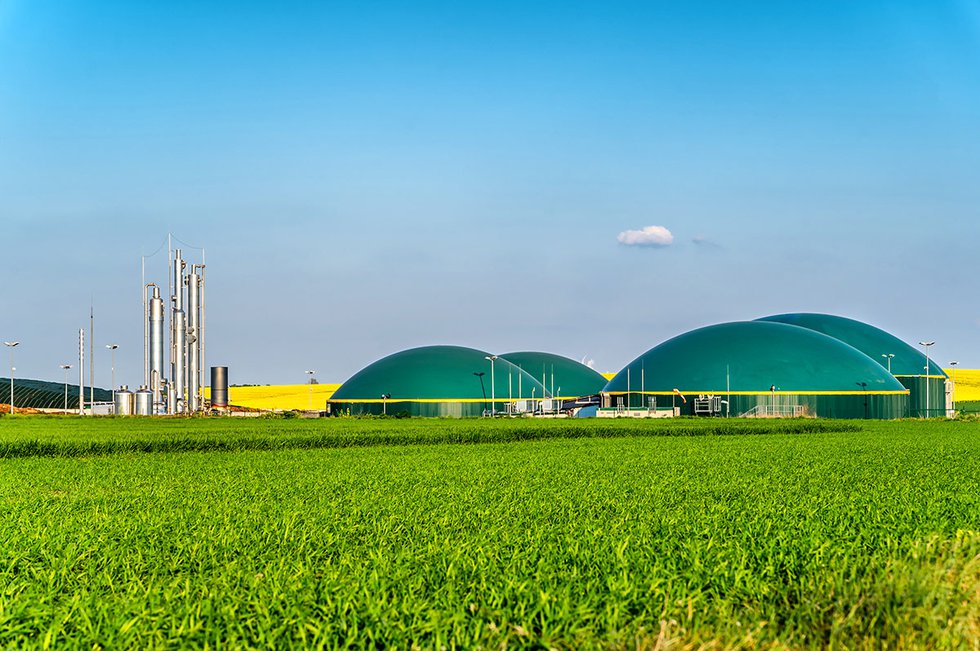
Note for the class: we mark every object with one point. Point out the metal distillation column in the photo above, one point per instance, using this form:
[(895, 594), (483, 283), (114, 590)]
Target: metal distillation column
[(155, 368), (193, 340), (178, 337)]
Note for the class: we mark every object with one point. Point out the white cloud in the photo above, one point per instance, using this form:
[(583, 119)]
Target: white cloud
[(648, 236), (588, 361)]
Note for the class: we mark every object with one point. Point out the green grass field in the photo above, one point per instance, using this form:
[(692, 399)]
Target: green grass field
[(458, 534)]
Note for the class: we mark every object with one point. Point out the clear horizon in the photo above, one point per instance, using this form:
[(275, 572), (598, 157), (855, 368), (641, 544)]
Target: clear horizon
[(585, 179)]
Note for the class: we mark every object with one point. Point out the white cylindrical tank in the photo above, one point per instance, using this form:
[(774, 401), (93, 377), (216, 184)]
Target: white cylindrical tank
[(123, 405), (143, 402)]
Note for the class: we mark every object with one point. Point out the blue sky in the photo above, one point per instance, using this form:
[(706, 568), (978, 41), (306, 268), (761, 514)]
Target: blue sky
[(370, 176)]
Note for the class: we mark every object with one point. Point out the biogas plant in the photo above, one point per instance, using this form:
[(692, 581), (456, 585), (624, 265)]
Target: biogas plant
[(788, 365)]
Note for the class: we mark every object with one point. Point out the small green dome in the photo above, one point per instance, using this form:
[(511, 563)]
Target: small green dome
[(438, 373), (570, 379), (753, 356)]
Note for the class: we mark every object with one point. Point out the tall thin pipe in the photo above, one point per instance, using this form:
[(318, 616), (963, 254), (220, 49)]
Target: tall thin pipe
[(178, 335), (193, 339), (203, 364), (180, 345)]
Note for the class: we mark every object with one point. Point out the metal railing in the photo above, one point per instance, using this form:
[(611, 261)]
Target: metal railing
[(774, 411)]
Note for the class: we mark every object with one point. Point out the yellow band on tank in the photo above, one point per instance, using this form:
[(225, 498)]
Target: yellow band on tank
[(379, 401)]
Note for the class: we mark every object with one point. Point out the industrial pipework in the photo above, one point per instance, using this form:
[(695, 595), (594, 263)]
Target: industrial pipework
[(176, 390)]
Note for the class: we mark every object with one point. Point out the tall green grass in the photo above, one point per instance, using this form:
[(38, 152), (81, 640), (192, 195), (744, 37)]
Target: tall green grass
[(854, 539), (76, 437)]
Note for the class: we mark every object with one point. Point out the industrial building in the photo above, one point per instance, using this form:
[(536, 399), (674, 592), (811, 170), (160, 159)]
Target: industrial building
[(440, 381), (755, 368), (930, 391)]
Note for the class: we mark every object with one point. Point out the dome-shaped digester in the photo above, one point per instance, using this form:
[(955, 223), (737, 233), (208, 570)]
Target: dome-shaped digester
[(758, 368), (438, 381), (905, 362), (563, 377)]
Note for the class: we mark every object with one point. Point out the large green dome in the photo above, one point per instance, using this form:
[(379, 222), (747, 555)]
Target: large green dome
[(870, 340), (438, 374), (752, 357), (569, 378)]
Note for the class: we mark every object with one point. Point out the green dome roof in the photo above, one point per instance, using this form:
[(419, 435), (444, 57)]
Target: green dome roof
[(574, 379), (752, 356), (438, 373), (870, 340)]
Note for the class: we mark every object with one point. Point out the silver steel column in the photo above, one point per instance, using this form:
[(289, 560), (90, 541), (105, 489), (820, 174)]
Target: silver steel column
[(155, 371), (180, 345), (193, 340), (178, 337)]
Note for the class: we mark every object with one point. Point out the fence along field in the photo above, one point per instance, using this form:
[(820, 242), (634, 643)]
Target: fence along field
[(865, 537)]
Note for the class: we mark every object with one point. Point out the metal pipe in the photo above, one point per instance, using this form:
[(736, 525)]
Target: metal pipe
[(178, 281), (170, 399), (177, 335), (203, 363), (179, 346), (193, 340)]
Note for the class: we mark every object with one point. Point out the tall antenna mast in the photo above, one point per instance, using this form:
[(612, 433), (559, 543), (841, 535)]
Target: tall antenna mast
[(81, 371), (146, 324), (91, 354)]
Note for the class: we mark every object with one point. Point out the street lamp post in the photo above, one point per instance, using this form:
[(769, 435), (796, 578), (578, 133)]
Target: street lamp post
[(10, 345), (311, 374), (888, 359), (493, 384), (926, 344), (112, 348), (864, 388), (66, 367), (384, 403), (952, 369), (484, 390)]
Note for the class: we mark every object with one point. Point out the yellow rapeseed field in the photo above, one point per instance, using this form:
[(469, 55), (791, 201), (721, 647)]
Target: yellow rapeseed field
[(280, 396), (967, 381)]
